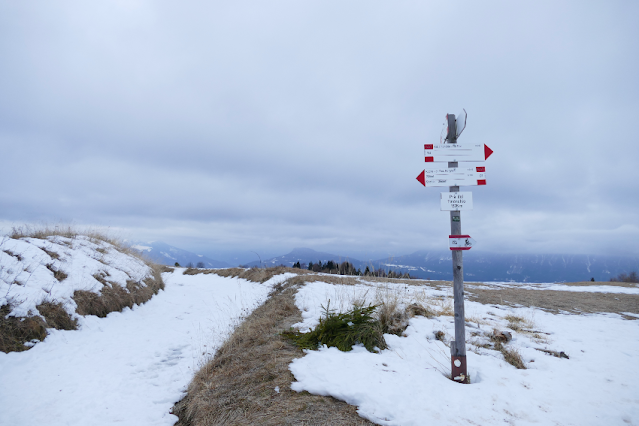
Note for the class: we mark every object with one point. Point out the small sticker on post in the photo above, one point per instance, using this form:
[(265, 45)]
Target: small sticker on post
[(460, 242)]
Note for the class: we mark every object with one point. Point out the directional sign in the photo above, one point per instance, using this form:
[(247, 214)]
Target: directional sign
[(459, 176), (446, 152), (460, 242), (456, 201)]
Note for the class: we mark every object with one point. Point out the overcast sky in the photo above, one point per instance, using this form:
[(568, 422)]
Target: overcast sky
[(231, 127)]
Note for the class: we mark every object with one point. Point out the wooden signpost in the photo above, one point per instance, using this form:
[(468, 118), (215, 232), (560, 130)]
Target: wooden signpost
[(454, 201)]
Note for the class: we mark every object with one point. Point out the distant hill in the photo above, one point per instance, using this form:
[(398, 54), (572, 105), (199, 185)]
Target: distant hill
[(306, 255), (166, 254), (514, 267)]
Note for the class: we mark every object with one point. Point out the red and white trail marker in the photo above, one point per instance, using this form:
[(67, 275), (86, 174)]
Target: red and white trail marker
[(459, 176), (449, 152), (460, 242)]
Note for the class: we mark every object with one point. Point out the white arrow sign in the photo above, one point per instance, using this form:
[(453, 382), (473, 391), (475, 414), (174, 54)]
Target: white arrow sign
[(460, 242), (459, 176), (456, 201), (447, 152)]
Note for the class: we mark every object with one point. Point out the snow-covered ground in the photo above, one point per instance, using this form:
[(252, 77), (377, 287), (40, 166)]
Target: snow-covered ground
[(130, 367), (593, 288), (405, 385), (28, 268)]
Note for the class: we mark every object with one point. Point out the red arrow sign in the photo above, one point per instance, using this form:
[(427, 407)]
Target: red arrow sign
[(421, 178), (487, 152)]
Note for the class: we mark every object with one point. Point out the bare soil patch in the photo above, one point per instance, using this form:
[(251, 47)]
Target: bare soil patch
[(237, 387)]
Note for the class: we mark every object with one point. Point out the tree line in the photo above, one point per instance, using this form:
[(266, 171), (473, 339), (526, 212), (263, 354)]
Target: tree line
[(347, 268), (626, 278)]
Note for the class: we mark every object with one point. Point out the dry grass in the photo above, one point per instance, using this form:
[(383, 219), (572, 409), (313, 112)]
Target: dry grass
[(441, 305), (518, 323), (258, 275), (559, 301), (407, 281), (598, 283), (237, 387), (67, 231), (56, 316), (114, 298), (511, 356), (16, 255), (441, 336), (42, 232), (15, 332), (57, 273)]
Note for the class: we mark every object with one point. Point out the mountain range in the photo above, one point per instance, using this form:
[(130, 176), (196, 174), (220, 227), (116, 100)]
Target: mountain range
[(478, 266), (481, 266), (166, 254)]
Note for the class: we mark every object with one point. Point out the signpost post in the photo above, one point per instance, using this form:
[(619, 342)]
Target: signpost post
[(454, 201), (457, 346)]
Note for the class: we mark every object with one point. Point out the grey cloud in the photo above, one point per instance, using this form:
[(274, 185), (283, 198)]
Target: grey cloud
[(297, 124)]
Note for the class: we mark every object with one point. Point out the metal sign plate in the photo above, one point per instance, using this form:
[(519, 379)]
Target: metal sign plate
[(460, 176), (448, 152), (456, 201)]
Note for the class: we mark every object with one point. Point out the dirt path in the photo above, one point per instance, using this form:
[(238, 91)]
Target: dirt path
[(238, 386)]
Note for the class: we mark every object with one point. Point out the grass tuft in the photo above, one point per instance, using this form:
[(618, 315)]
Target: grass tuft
[(56, 316), (114, 298), (15, 332), (511, 355), (343, 330)]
